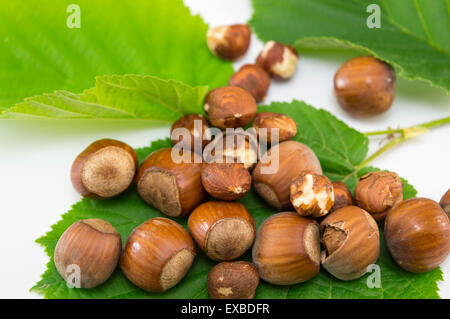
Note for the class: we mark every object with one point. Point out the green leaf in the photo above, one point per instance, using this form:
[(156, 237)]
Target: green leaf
[(40, 54), (414, 35), (339, 148)]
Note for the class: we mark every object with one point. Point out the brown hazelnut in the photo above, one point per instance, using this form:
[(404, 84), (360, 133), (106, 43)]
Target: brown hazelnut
[(378, 191), (445, 202), (230, 106), (252, 78), (197, 127), (287, 249), (226, 181), (286, 126), (417, 233), (157, 254), (229, 42), (104, 169), (344, 232), (312, 194), (277, 169), (365, 86), (94, 246), (223, 230), (279, 60), (171, 187), (342, 196), (233, 280)]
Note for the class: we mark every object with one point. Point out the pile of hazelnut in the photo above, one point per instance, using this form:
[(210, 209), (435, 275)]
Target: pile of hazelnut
[(320, 222)]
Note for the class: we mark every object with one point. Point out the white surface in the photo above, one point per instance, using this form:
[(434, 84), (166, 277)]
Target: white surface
[(36, 155)]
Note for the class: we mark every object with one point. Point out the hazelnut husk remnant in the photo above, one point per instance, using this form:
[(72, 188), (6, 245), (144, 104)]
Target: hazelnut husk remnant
[(279, 60), (252, 78), (223, 230), (94, 246), (230, 106), (198, 133), (270, 121), (229, 42), (365, 86), (157, 255), (226, 181), (445, 202), (342, 196), (352, 242), (377, 192), (104, 169), (417, 233), (173, 188), (274, 174), (233, 280), (312, 194), (287, 249)]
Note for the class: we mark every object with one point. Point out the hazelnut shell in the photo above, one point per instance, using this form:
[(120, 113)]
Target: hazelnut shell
[(445, 202), (197, 133), (287, 128)]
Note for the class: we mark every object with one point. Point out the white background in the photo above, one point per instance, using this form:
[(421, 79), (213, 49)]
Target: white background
[(35, 156)]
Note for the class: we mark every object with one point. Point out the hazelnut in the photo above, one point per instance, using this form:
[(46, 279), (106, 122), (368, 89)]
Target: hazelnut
[(378, 191), (198, 128), (91, 244), (312, 194), (445, 202), (230, 106), (365, 86), (104, 169), (223, 230), (254, 79), (286, 126), (233, 280), (229, 42), (157, 255), (417, 233), (279, 60), (171, 187), (277, 169), (226, 181), (287, 249), (344, 232), (342, 196)]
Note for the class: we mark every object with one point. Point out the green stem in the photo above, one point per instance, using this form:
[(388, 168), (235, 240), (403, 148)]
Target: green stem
[(430, 124)]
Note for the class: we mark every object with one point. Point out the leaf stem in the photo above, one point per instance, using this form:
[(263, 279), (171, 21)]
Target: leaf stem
[(430, 124)]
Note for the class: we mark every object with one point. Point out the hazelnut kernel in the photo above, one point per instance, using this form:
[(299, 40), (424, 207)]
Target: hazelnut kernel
[(229, 42), (279, 60), (287, 128), (342, 196), (198, 128), (253, 79)]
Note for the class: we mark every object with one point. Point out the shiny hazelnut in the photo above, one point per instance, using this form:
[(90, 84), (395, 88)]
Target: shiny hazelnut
[(233, 280), (279, 60), (252, 78), (278, 168), (229, 42), (94, 246), (104, 169), (352, 242), (230, 106), (223, 230), (312, 194), (287, 249), (172, 187), (157, 255), (365, 86), (286, 126), (197, 131), (226, 181), (445, 202), (342, 196), (417, 233), (378, 191)]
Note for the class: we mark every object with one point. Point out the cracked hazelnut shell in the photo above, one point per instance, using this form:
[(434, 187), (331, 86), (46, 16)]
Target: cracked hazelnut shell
[(445, 202), (157, 255), (279, 60), (223, 230), (417, 233), (229, 42), (343, 232), (252, 78), (198, 131), (104, 169), (342, 196), (287, 128)]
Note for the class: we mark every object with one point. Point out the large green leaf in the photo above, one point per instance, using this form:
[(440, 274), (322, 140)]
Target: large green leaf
[(414, 34), (327, 136), (40, 54)]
